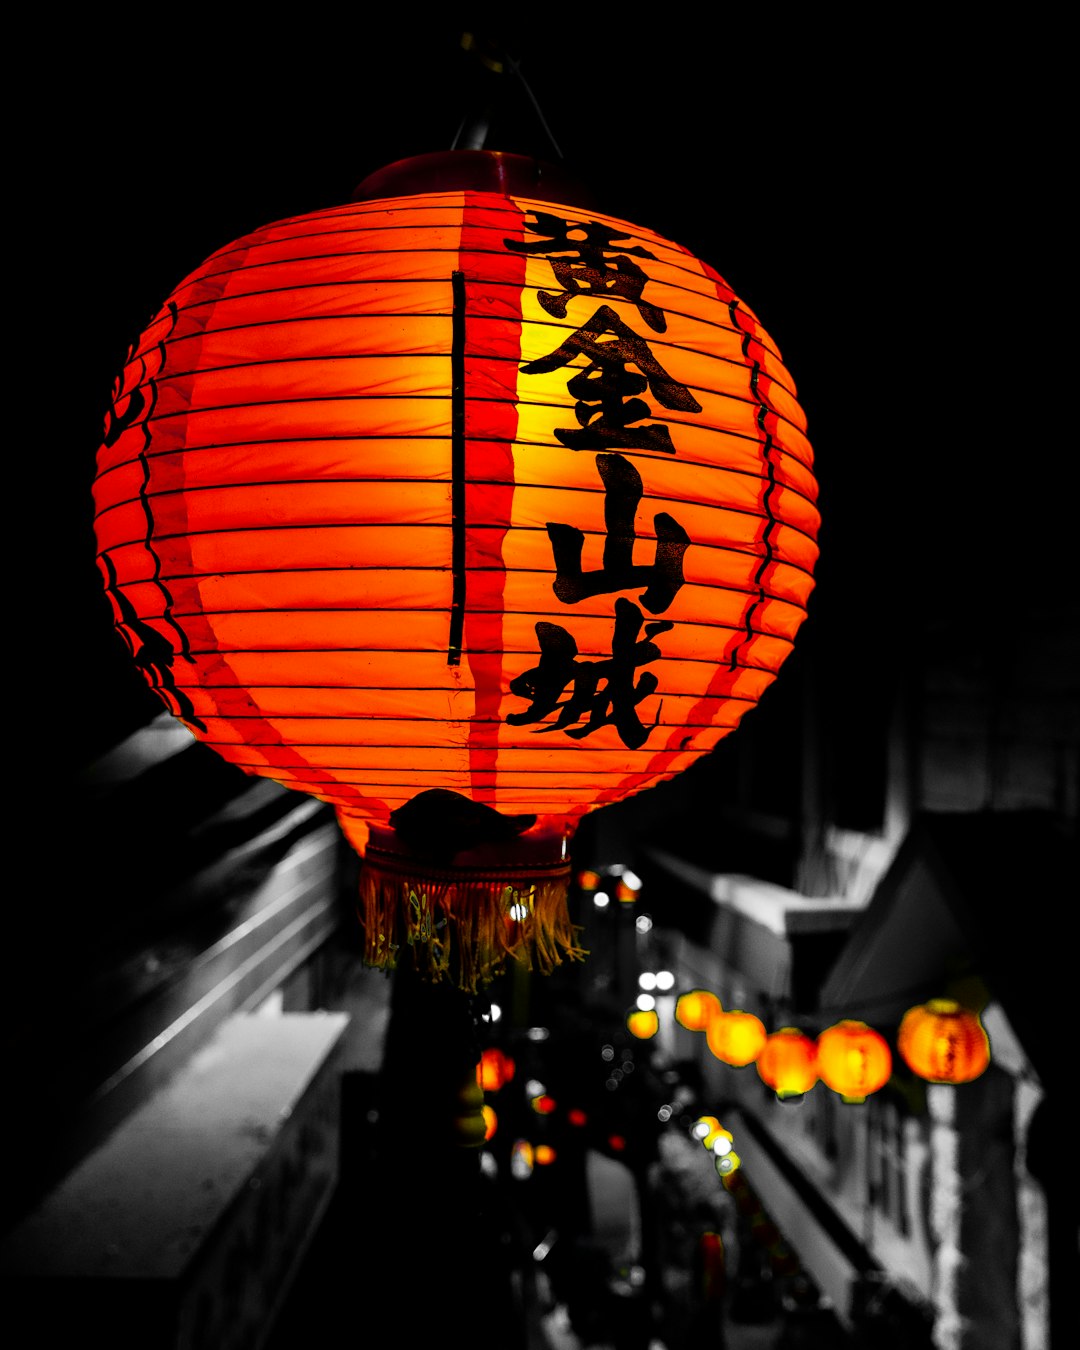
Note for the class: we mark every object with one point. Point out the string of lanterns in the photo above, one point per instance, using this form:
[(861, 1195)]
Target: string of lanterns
[(940, 1041)]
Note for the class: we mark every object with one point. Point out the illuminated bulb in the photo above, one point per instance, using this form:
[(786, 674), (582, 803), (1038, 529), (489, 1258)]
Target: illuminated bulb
[(665, 979), (601, 900), (646, 1002), (643, 923), (631, 879), (647, 980), (519, 912)]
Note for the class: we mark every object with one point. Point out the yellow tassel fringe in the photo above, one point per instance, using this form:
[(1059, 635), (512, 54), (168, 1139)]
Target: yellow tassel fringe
[(465, 924)]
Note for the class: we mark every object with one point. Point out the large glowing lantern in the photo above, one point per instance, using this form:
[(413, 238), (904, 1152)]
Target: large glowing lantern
[(943, 1042), (736, 1037), (853, 1060), (788, 1063), (464, 488)]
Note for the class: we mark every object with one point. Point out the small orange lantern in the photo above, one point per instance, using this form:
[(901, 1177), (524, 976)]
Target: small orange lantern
[(944, 1042), (454, 495), (695, 1009), (853, 1060), (643, 1023), (491, 1121), (736, 1037), (788, 1063)]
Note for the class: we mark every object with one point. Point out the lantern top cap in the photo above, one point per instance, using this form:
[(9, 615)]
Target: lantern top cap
[(943, 1006), (478, 170)]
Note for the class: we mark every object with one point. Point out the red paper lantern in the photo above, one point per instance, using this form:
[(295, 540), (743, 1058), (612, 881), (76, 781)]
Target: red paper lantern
[(469, 490), (788, 1063), (736, 1037), (853, 1060), (944, 1042)]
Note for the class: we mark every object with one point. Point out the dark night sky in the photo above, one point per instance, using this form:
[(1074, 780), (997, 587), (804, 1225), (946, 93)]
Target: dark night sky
[(883, 199)]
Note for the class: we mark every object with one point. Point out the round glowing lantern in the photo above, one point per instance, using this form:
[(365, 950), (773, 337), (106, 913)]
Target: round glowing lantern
[(695, 1009), (788, 1063), (944, 1042), (853, 1060), (467, 510), (643, 1023), (736, 1037)]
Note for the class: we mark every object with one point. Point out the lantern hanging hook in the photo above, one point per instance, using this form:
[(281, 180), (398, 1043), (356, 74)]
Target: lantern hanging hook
[(473, 131)]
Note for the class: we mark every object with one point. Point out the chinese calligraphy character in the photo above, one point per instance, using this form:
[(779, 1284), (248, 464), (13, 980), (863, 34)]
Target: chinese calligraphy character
[(589, 271), (604, 693), (604, 387), (663, 577)]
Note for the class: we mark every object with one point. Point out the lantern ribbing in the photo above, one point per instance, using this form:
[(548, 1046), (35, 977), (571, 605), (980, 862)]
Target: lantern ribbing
[(459, 490)]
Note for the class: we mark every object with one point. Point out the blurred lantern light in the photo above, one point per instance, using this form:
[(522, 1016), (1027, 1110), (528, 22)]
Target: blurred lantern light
[(576, 1116), (492, 1014), (727, 1163), (643, 1023), (853, 1060), (722, 1142), (601, 900), (736, 1037), (705, 1128), (521, 1160), (543, 1105), (944, 1042), (647, 980), (495, 1069), (349, 507), (696, 1008), (491, 1121), (643, 923), (788, 1063), (469, 1126), (534, 1088), (625, 893), (617, 1143), (544, 1155), (646, 1002), (588, 881), (665, 980)]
